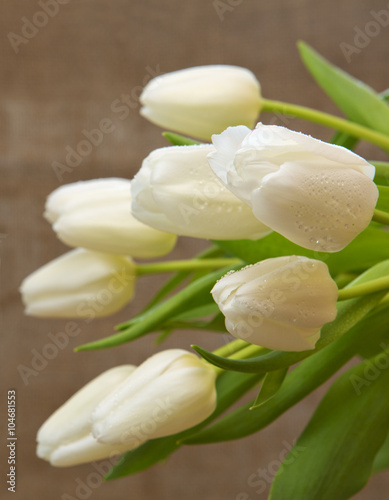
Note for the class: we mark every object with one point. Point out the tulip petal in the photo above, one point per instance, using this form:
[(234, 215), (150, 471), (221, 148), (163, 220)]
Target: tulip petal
[(202, 100), (176, 191), (63, 431), (320, 209), (171, 391), (279, 303), (80, 283), (317, 195), (96, 215)]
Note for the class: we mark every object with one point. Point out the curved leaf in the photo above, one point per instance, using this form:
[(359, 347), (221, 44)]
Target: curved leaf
[(300, 382), (333, 458), (358, 101), (270, 385), (381, 461)]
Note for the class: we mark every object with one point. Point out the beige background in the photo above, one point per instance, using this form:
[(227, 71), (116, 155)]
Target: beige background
[(64, 80)]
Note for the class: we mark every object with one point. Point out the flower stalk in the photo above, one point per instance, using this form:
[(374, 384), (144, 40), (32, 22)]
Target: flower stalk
[(327, 120), (370, 287), (184, 265), (381, 217)]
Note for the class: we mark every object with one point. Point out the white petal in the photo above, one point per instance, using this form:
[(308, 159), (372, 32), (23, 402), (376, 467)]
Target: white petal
[(167, 394), (320, 209), (69, 196), (175, 190), (273, 135), (144, 375), (77, 281), (203, 100), (70, 422), (279, 303), (84, 450), (96, 215)]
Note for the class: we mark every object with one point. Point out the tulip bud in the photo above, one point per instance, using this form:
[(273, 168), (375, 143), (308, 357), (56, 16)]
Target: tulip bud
[(176, 191), (65, 438), (318, 195), (170, 392), (279, 303), (80, 283), (96, 214), (202, 101)]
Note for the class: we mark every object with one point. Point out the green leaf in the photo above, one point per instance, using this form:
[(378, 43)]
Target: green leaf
[(169, 286), (186, 320), (179, 140), (195, 294), (385, 95), (163, 336), (367, 249), (372, 348), (383, 200), (270, 385), (300, 382), (198, 312), (333, 458), (381, 461), (345, 140), (358, 101), (229, 386)]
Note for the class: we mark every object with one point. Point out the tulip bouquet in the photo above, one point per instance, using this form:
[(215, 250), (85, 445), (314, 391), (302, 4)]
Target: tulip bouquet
[(297, 271)]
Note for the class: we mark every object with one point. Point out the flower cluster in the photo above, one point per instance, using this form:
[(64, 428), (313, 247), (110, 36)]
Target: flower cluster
[(245, 185)]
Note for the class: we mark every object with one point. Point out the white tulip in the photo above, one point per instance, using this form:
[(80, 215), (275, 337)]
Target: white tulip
[(318, 195), (176, 191), (96, 214), (202, 101), (170, 392), (279, 303), (80, 283), (65, 438)]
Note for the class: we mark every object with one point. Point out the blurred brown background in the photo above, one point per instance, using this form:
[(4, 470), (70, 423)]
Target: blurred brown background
[(63, 78)]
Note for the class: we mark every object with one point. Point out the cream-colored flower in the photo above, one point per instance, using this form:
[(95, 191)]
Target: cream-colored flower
[(318, 195), (65, 438), (176, 191), (168, 393), (96, 214), (80, 283), (279, 303), (203, 100)]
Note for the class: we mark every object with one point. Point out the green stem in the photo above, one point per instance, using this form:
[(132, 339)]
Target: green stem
[(381, 217), (247, 352), (231, 348), (184, 265), (364, 289), (237, 349), (327, 120)]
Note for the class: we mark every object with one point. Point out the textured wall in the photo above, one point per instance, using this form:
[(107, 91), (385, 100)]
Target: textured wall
[(64, 78)]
